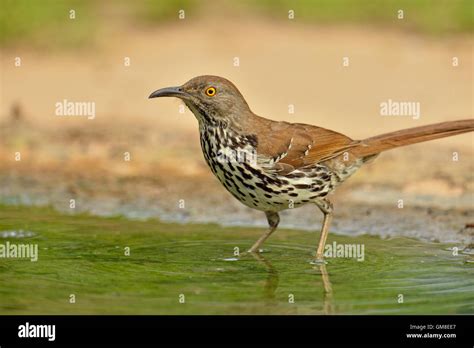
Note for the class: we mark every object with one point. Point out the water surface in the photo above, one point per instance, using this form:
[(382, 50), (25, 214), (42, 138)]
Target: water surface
[(192, 269)]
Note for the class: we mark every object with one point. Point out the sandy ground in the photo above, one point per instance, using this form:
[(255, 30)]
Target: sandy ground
[(280, 64)]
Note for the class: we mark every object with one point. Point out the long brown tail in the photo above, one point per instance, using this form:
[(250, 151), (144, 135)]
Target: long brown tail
[(387, 141)]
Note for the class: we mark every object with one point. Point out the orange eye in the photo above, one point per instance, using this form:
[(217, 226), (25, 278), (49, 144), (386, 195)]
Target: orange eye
[(210, 92)]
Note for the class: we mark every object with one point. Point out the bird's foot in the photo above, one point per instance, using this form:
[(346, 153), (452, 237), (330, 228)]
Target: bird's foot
[(254, 250), (237, 257), (318, 261)]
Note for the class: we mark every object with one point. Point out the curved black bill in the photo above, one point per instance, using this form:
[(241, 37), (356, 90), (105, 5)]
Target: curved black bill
[(168, 92)]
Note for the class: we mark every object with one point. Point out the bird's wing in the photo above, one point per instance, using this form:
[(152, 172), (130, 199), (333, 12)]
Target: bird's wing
[(289, 146)]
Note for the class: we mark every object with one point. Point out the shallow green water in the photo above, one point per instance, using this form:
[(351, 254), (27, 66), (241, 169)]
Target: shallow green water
[(85, 256)]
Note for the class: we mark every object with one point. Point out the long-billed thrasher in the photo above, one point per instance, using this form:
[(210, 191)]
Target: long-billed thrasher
[(272, 166)]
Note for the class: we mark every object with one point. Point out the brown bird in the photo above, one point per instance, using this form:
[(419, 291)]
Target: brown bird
[(272, 166)]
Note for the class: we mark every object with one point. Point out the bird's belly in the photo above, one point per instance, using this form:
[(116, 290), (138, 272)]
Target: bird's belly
[(258, 189), (275, 196)]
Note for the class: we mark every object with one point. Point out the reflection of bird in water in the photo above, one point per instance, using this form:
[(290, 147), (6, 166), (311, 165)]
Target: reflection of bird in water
[(271, 283), (328, 306), (273, 279)]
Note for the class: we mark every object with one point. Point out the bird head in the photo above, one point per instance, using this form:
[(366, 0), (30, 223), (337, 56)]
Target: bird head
[(212, 99)]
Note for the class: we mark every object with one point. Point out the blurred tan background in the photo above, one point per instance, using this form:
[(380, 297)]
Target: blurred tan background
[(282, 61)]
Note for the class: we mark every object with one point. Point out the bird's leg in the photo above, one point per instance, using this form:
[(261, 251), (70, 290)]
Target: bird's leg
[(326, 208), (273, 220)]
